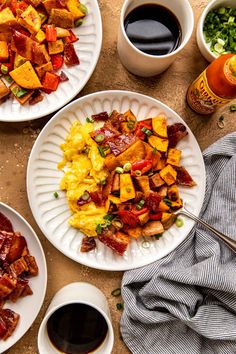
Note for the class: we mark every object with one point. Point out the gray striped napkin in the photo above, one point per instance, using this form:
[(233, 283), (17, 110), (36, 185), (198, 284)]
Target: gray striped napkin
[(185, 303)]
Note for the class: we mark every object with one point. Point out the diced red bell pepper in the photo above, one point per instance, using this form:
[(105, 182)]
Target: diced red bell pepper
[(57, 61), (139, 212), (128, 217), (50, 81), (51, 33), (70, 55), (143, 166), (71, 38), (156, 216), (138, 131)]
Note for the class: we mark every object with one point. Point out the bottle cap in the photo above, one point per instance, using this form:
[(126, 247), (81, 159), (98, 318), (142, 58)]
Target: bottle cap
[(232, 65)]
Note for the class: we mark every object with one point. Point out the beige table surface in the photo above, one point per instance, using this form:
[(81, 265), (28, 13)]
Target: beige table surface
[(16, 141)]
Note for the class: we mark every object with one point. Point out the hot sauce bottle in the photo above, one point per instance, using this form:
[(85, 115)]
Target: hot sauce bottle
[(215, 86)]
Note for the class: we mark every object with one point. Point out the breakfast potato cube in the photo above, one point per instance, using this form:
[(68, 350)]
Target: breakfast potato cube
[(156, 181), (152, 228), (25, 76), (111, 162), (143, 182), (7, 19), (168, 220), (41, 70), (19, 60), (130, 123), (5, 36), (62, 32), (15, 89), (134, 153), (163, 206), (30, 19), (49, 5), (56, 47), (160, 164), (4, 90), (174, 156), (35, 3), (168, 174), (159, 125), (173, 192), (159, 143), (61, 18), (4, 54), (143, 218), (114, 199), (177, 204), (127, 190), (135, 232), (40, 36), (73, 7)]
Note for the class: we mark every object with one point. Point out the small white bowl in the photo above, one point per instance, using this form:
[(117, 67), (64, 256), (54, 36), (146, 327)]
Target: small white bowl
[(202, 45)]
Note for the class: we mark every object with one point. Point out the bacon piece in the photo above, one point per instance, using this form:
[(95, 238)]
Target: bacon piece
[(27, 291), (17, 292), (17, 247), (183, 177), (120, 143), (152, 201), (106, 190), (18, 267), (97, 198), (36, 98), (5, 224), (176, 132), (70, 55), (108, 132), (7, 285), (100, 116), (128, 218), (115, 120), (2, 239), (88, 244), (32, 265), (11, 320), (118, 241), (6, 245), (116, 184), (3, 327)]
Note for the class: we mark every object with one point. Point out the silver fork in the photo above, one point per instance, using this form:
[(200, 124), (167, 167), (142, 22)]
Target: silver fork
[(227, 240)]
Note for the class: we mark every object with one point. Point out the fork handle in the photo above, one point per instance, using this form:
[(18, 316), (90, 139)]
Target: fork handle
[(227, 240)]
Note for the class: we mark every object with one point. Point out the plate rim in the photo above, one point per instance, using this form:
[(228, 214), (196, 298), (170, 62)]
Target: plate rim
[(44, 266), (31, 157), (86, 79)]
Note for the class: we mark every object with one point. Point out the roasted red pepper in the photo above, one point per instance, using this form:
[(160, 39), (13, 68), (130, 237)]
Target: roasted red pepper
[(128, 217), (51, 33), (143, 166), (139, 212), (156, 216), (71, 38), (50, 81), (138, 131), (57, 61)]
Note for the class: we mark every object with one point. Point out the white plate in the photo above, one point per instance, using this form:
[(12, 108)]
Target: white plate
[(27, 307), (43, 180), (88, 49)]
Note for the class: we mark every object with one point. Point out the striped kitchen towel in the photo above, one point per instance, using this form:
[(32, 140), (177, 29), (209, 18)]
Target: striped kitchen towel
[(185, 303)]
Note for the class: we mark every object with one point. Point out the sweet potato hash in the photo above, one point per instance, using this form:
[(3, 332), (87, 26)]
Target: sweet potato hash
[(122, 179)]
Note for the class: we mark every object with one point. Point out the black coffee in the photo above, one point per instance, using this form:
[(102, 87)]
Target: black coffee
[(77, 329), (153, 29)]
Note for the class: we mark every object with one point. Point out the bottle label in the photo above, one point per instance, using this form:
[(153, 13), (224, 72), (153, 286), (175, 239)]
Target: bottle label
[(201, 98)]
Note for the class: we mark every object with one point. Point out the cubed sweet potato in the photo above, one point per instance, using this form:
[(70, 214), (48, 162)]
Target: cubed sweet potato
[(143, 182), (168, 174), (156, 181), (4, 54), (134, 153), (19, 60), (174, 156), (62, 32), (7, 19), (159, 143), (159, 125), (49, 5), (73, 7), (25, 76), (135, 232), (177, 204), (61, 18), (40, 36), (143, 218), (56, 47), (4, 90), (127, 190), (153, 228), (163, 206), (168, 220), (30, 19), (173, 192), (22, 99)]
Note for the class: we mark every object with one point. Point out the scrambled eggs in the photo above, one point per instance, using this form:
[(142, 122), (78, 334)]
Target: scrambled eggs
[(84, 170)]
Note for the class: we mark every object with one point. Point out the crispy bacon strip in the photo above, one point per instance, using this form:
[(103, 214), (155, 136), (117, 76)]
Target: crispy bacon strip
[(5, 224), (88, 244), (120, 143), (7, 285), (184, 178), (10, 318), (176, 132), (118, 241)]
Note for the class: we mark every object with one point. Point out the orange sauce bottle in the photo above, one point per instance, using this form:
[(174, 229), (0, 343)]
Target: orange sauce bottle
[(215, 86)]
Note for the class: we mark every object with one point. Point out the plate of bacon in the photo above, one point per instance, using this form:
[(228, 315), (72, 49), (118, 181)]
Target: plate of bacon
[(48, 51), (23, 276), (106, 176)]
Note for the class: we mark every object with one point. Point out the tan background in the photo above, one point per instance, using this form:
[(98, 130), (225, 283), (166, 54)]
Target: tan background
[(16, 141)]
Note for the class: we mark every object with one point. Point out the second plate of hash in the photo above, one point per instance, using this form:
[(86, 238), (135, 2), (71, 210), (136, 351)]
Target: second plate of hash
[(106, 176)]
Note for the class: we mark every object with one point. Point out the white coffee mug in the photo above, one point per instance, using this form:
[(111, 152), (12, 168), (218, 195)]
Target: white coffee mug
[(140, 63), (82, 293)]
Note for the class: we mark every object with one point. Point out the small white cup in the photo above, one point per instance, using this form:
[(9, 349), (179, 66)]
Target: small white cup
[(140, 63), (82, 293)]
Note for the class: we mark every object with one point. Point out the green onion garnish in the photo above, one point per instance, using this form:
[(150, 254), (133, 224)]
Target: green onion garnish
[(119, 170), (120, 306), (140, 204), (127, 167), (130, 124), (99, 229), (4, 69), (78, 22), (101, 151), (8, 79), (89, 120), (145, 244), (146, 131), (56, 195), (179, 222), (18, 92), (157, 236), (83, 8), (138, 173), (99, 138), (103, 182), (168, 202), (232, 108), (116, 292), (85, 196), (154, 151)]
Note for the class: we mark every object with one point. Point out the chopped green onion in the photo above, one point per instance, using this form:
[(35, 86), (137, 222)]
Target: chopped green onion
[(8, 79), (127, 167), (128, 189), (118, 224), (18, 92), (157, 236), (138, 173), (179, 222), (99, 138), (154, 151), (146, 131), (78, 22), (221, 122), (119, 170), (130, 124), (140, 204), (108, 217), (85, 196), (56, 195), (168, 202), (42, 16), (232, 108), (83, 8), (101, 151), (116, 292), (120, 306), (4, 69), (99, 229), (145, 244), (219, 48), (89, 120), (103, 182), (221, 118)]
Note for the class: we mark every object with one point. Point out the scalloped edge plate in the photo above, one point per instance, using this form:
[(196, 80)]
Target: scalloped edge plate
[(28, 307), (88, 49), (52, 214)]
